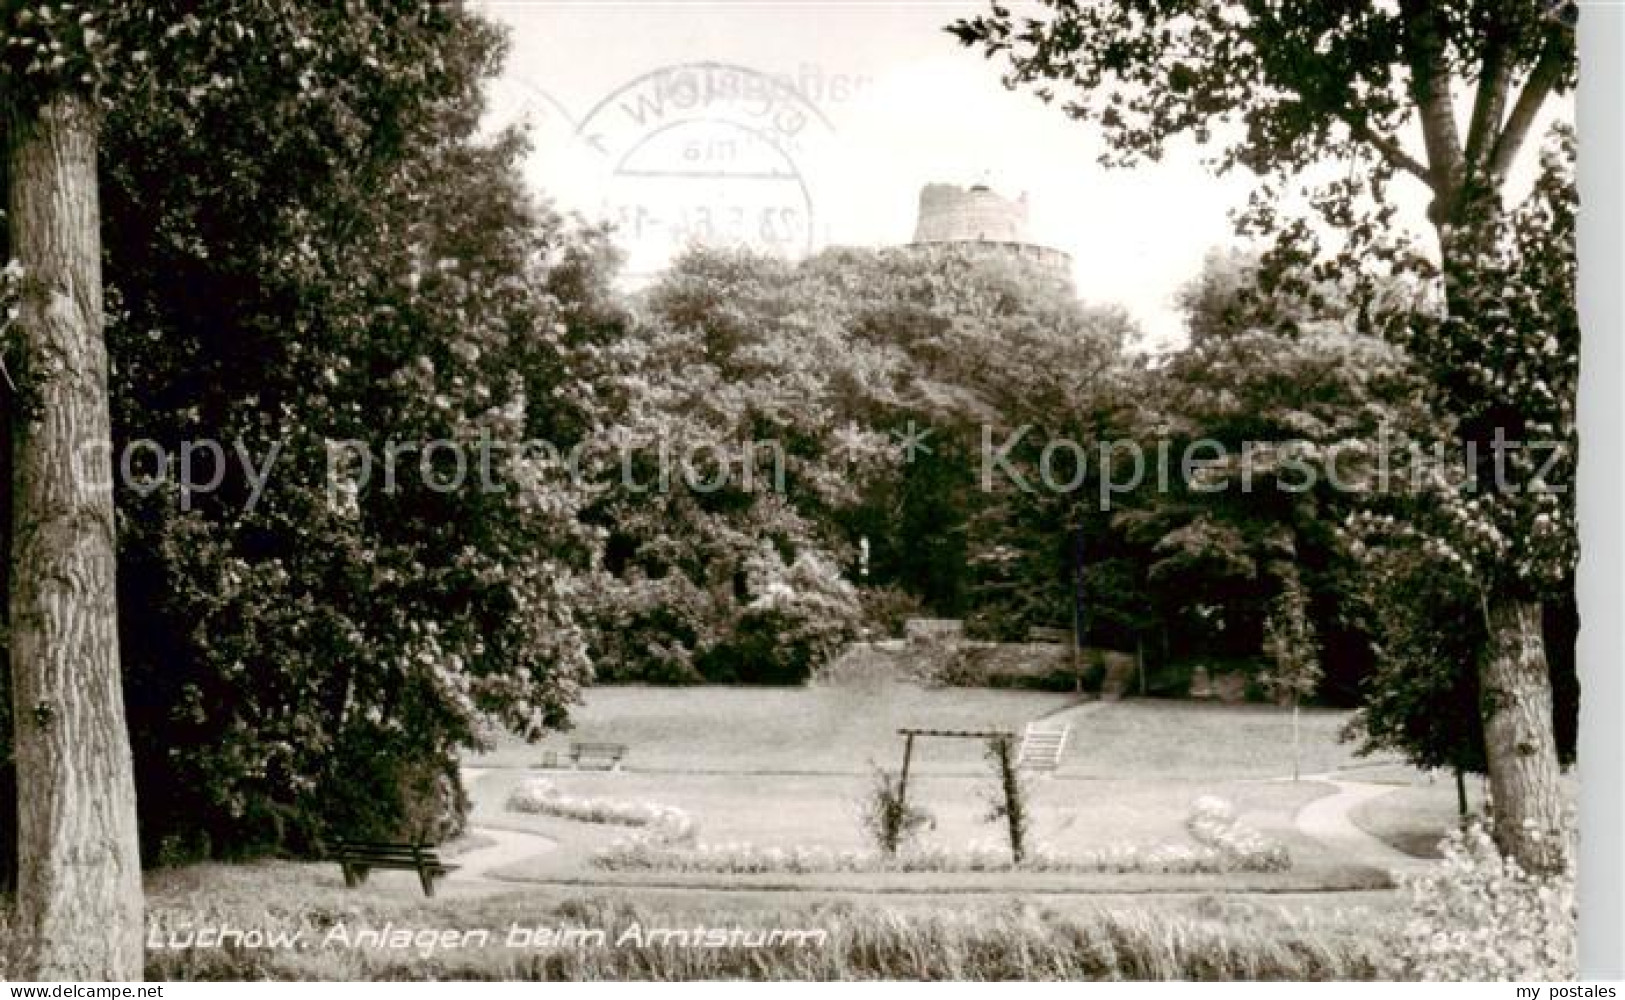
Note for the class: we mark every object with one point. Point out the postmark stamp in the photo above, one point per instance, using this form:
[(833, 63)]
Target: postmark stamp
[(705, 153), (694, 153)]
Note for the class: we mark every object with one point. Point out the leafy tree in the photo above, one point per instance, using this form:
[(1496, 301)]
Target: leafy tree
[(1268, 438), (827, 360), (1419, 701), (1293, 650), (994, 357), (1497, 512), (1284, 87), (723, 440), (323, 125), (325, 632), (1240, 292)]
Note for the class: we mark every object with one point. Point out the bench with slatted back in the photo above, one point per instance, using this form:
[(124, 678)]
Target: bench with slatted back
[(358, 857), (1042, 633), (606, 756)]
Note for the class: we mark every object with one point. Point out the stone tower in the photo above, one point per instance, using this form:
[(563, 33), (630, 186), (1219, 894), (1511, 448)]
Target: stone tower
[(979, 220), (951, 214)]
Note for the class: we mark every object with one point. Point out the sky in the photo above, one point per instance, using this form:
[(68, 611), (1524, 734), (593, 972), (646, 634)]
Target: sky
[(792, 126)]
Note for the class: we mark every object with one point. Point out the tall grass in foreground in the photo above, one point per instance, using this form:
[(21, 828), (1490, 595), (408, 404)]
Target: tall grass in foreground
[(1011, 942)]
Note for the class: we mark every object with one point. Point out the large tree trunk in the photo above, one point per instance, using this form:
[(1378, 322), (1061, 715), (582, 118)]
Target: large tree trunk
[(1515, 683), (1525, 784), (79, 905)]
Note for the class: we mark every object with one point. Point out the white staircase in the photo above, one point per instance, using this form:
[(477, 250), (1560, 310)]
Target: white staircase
[(1042, 744)]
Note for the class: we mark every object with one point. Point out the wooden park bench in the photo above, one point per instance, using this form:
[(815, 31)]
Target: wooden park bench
[(933, 631), (358, 857), (1040, 633), (604, 755)]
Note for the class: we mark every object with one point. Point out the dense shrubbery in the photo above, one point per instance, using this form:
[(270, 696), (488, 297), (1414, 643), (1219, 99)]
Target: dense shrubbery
[(967, 663), (888, 820), (886, 608), (1477, 916), (798, 616), (1035, 666)]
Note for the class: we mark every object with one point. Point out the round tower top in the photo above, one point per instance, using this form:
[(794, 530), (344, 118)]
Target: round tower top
[(950, 213)]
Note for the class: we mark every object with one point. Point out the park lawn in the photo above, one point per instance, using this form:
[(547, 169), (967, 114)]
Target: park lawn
[(835, 729), (1172, 739), (1415, 818), (822, 810), (790, 766), (849, 729), (739, 782)]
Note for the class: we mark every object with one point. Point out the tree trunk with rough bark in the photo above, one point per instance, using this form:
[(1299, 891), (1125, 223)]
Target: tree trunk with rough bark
[(79, 902), (1519, 742)]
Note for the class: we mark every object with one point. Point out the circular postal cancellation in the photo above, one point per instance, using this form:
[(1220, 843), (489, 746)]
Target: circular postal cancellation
[(705, 153)]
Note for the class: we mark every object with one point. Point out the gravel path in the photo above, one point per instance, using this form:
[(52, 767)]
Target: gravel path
[(1072, 713), (1328, 820), (510, 847)]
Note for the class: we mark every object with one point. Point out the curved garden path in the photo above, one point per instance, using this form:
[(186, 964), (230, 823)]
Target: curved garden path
[(1328, 820), (509, 847), (506, 847)]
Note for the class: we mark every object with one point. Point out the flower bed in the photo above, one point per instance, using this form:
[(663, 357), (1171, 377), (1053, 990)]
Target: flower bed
[(1213, 824), (1224, 845), (659, 824), (1478, 916)]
